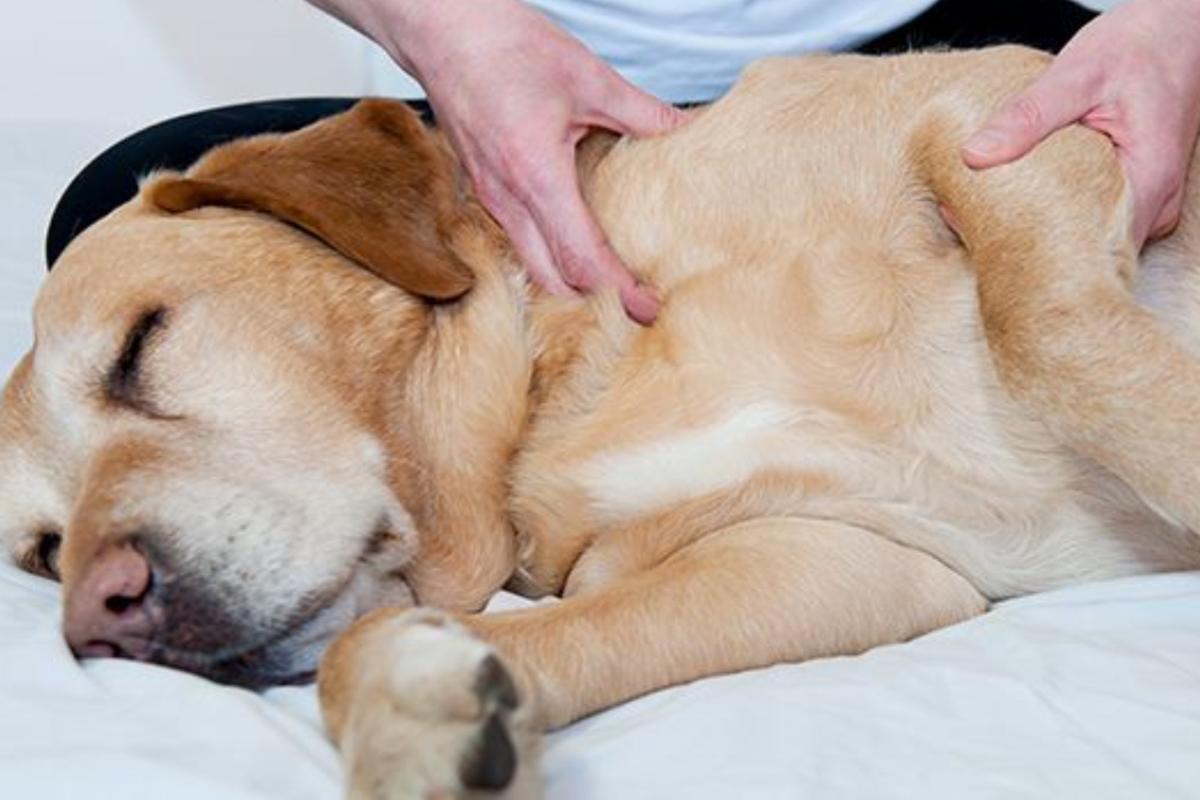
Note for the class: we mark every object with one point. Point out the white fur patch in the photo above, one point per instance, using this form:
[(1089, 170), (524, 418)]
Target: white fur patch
[(693, 463)]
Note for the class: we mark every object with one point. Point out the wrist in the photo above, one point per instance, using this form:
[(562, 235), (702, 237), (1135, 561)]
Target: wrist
[(413, 32)]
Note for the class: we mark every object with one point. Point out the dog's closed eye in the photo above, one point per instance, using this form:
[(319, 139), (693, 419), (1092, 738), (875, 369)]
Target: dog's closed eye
[(123, 385)]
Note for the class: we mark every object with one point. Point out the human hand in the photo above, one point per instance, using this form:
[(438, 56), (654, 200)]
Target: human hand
[(1133, 74), (516, 94)]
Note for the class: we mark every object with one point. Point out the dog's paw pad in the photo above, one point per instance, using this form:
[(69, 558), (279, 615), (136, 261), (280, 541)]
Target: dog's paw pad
[(491, 764)]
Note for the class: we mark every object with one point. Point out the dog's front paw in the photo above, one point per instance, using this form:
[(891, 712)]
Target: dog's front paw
[(438, 716)]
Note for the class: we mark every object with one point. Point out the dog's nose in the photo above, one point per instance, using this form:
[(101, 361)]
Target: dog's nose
[(109, 611)]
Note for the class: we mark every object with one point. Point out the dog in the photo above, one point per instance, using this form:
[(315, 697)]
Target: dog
[(302, 393)]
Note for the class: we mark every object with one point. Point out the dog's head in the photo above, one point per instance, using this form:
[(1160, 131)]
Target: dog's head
[(206, 443)]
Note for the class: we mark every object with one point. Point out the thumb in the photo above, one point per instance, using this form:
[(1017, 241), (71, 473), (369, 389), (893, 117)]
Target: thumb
[(641, 114), (1049, 104)]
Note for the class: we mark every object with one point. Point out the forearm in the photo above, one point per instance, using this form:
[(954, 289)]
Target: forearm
[(406, 29)]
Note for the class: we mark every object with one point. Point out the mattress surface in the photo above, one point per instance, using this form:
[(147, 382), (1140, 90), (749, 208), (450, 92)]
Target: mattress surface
[(1092, 691)]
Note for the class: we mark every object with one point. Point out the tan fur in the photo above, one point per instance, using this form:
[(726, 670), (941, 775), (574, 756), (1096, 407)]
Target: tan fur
[(849, 426)]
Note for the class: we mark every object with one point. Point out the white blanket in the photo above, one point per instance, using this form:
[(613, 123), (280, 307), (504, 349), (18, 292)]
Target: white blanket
[(1088, 692)]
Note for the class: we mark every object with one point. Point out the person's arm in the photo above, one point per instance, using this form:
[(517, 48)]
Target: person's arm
[(515, 94), (1132, 74)]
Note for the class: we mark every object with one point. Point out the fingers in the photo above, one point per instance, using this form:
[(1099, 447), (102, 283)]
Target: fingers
[(577, 244), (1153, 165), (1167, 219), (558, 241), (527, 240), (1156, 180), (634, 112), (1054, 101)]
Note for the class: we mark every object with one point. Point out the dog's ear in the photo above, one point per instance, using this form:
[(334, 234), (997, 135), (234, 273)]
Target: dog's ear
[(373, 183)]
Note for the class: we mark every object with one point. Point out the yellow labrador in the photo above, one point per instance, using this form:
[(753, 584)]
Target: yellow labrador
[(306, 381)]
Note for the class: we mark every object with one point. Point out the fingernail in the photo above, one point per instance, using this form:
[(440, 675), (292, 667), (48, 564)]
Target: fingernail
[(641, 303), (985, 143)]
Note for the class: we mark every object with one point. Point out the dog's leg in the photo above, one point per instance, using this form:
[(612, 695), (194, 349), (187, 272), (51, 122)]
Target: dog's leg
[(1049, 237), (421, 704)]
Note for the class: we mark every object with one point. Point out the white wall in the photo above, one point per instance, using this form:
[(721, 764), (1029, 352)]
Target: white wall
[(132, 62)]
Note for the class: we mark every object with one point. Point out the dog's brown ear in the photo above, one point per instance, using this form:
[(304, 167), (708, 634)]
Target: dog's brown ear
[(373, 183)]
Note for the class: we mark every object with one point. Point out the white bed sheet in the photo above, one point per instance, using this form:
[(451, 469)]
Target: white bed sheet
[(1089, 692)]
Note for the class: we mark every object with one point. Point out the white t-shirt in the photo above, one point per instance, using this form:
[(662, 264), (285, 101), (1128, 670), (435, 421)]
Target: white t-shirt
[(685, 50)]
